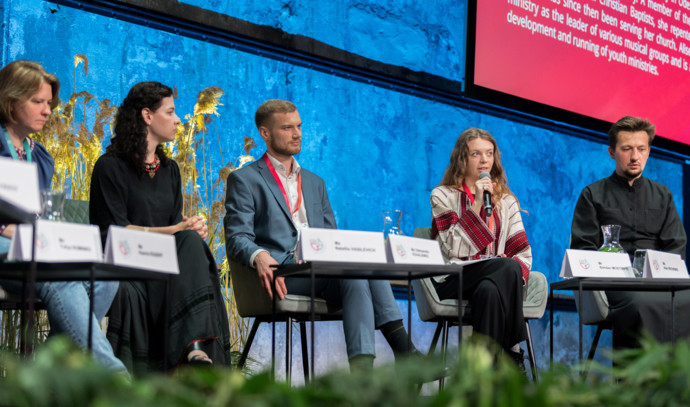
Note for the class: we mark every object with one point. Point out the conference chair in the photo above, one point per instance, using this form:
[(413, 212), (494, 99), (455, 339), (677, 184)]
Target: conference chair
[(253, 302), (594, 310), (445, 312)]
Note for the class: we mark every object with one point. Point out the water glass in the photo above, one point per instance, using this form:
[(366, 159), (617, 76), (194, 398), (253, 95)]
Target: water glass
[(52, 204), (391, 222), (638, 262)]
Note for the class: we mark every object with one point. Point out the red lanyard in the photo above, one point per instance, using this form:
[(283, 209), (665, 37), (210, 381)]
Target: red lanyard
[(468, 192), (280, 184)]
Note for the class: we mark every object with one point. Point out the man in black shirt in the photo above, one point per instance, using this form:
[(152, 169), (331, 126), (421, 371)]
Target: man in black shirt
[(648, 218)]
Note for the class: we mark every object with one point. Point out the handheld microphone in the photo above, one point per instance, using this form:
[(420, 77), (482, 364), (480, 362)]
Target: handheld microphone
[(487, 195)]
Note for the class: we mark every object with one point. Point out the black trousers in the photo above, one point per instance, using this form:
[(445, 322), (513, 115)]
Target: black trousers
[(494, 288), (635, 312)]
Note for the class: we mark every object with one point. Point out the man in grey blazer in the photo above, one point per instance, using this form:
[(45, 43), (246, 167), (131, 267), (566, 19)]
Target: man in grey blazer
[(268, 202)]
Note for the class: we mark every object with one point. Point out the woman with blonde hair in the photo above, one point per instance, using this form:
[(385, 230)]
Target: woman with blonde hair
[(27, 96), (466, 231)]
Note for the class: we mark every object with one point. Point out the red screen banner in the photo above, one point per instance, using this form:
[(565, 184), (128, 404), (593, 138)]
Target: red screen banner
[(599, 58)]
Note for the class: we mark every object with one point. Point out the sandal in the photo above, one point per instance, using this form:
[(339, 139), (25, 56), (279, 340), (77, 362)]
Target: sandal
[(197, 357)]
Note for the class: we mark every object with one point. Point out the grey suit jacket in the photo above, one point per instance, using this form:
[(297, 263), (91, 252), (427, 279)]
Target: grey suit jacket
[(257, 216)]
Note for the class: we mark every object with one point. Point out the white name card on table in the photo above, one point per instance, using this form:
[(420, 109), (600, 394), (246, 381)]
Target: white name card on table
[(145, 250), (589, 263), (19, 184), (413, 250), (349, 246), (664, 265), (57, 242)]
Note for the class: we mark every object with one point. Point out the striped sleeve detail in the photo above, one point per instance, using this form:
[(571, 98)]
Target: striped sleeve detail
[(517, 247), (516, 244), (443, 222)]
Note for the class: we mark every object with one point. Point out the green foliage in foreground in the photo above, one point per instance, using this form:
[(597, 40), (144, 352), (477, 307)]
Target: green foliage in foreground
[(59, 375)]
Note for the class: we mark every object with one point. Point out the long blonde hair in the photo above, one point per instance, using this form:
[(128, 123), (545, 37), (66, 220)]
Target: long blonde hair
[(455, 173)]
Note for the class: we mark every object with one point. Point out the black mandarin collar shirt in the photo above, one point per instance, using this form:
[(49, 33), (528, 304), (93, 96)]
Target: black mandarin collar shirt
[(645, 211)]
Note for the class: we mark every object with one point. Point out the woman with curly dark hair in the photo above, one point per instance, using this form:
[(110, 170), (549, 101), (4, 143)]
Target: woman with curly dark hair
[(135, 185)]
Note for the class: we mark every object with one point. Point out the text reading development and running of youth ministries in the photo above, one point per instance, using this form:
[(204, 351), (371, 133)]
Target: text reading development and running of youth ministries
[(650, 41)]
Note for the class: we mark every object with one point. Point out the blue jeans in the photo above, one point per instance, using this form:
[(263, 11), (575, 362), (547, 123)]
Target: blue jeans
[(367, 305), (67, 303), (4, 244)]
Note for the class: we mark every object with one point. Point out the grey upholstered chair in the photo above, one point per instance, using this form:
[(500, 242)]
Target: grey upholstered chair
[(445, 312), (594, 310), (252, 301)]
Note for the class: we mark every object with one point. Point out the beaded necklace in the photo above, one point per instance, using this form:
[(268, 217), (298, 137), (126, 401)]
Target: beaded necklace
[(14, 151), (152, 167)]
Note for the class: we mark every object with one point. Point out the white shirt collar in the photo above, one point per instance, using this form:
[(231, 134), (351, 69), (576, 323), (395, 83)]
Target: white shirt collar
[(280, 168)]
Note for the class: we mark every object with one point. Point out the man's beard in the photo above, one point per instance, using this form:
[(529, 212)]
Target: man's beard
[(632, 175), (288, 151)]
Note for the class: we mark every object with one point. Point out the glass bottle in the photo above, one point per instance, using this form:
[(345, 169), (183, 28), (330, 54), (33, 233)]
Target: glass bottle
[(391, 222), (611, 234), (52, 204)]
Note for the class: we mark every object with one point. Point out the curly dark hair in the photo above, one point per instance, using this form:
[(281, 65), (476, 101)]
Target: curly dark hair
[(129, 141)]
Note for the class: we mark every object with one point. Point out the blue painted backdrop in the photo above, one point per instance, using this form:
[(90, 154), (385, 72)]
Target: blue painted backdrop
[(375, 148)]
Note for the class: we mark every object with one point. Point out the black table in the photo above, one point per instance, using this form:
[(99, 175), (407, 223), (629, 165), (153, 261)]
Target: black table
[(74, 271), (579, 284), (380, 271), (71, 271)]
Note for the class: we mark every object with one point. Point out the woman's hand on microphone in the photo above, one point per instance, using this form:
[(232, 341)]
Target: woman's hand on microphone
[(482, 184)]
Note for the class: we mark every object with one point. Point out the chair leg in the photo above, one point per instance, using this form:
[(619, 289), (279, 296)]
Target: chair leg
[(434, 341), (595, 342), (247, 346), (530, 353), (444, 350), (432, 346), (305, 351), (288, 349), (593, 349)]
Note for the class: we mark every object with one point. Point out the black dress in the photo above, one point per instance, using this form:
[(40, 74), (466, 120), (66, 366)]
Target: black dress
[(197, 313)]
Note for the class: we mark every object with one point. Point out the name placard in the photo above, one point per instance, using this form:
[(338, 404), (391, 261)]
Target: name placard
[(57, 242), (19, 184), (351, 246), (145, 250), (589, 263), (664, 265), (413, 250)]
